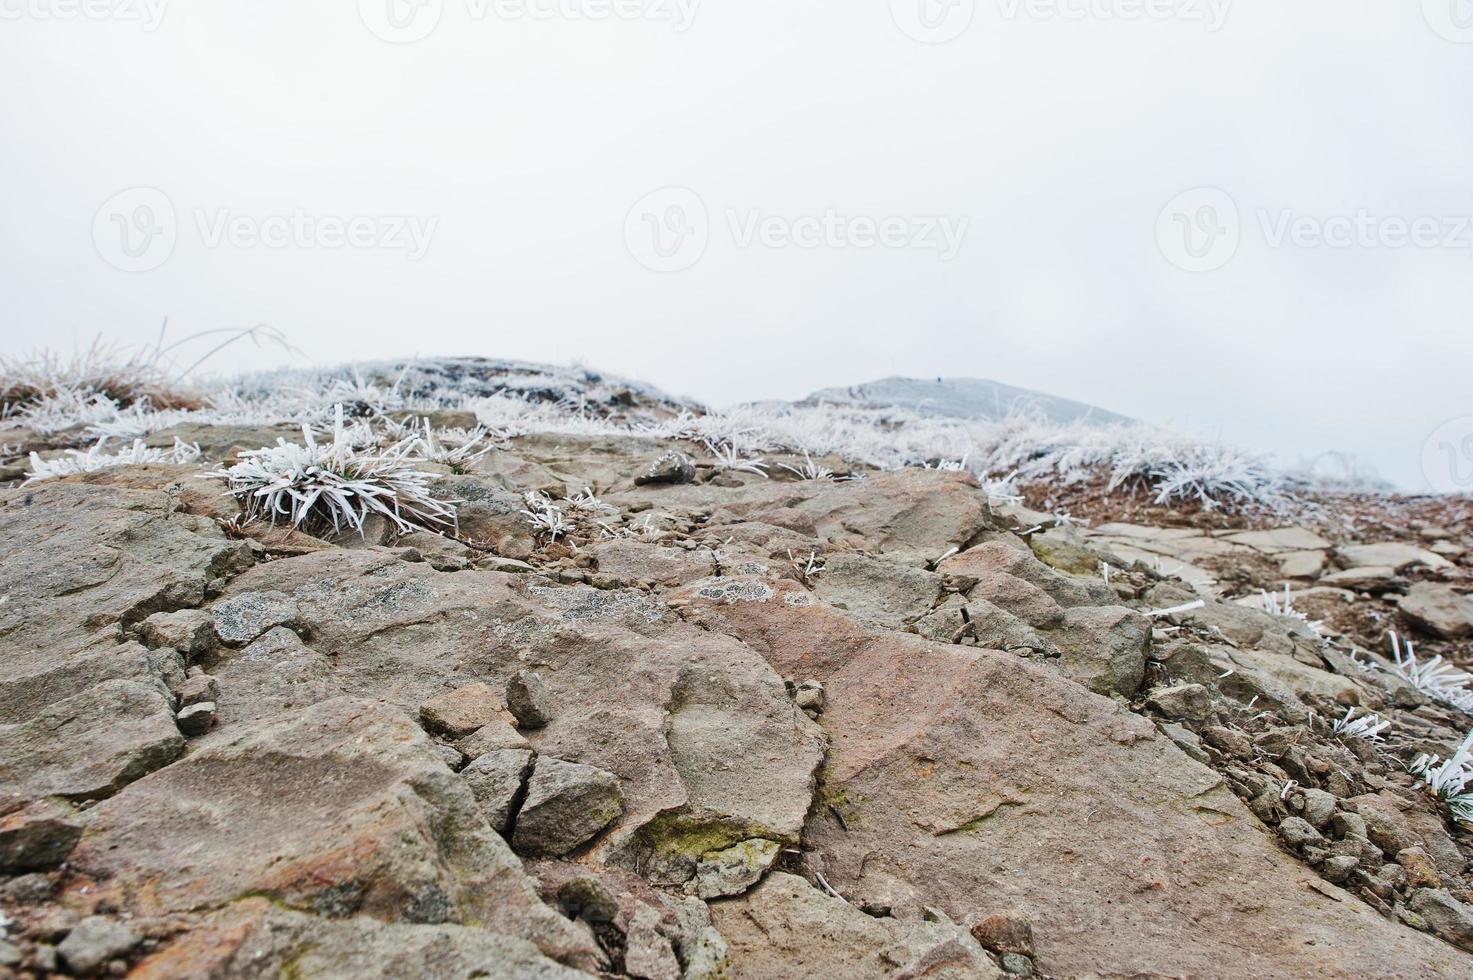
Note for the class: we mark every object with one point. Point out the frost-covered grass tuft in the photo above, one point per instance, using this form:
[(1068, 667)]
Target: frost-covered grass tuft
[(1435, 678), (1368, 727), (1283, 605), (79, 461), (511, 399), (337, 485), (1450, 779)]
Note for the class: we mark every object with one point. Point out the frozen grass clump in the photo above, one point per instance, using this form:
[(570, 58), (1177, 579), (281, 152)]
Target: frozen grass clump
[(90, 460), (337, 485), (1450, 779), (1435, 678)]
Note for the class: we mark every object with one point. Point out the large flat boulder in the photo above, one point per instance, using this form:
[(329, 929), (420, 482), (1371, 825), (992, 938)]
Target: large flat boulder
[(973, 783), (340, 809)]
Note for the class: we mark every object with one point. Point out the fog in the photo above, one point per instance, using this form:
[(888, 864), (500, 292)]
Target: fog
[(1250, 220)]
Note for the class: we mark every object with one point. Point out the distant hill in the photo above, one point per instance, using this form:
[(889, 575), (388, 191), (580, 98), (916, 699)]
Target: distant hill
[(963, 398)]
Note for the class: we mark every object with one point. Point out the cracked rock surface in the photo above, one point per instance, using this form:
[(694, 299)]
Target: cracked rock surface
[(759, 727)]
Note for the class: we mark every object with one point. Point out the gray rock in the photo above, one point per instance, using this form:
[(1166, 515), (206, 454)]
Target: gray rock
[(496, 779), (1319, 808), (1439, 610), (37, 837), (453, 757), (673, 467), (786, 920), (1017, 965), (735, 869), (567, 805), (1186, 740), (491, 737), (1387, 830), (96, 940), (461, 712), (647, 953), (197, 719), (342, 809), (1342, 824), (1189, 701), (1395, 555), (1448, 917), (1298, 833), (188, 630), (243, 618), (92, 744), (878, 591), (197, 688), (527, 700), (1104, 648), (263, 941), (1337, 869)]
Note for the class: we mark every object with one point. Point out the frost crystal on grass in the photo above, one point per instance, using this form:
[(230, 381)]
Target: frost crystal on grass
[(1367, 727), (1435, 678), (78, 461), (334, 485), (1450, 779)]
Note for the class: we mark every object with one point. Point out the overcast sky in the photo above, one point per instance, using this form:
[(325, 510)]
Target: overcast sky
[(1248, 219)]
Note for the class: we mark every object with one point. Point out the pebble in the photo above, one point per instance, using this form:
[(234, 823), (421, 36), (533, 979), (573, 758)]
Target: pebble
[(197, 718), (95, 940), (526, 698)]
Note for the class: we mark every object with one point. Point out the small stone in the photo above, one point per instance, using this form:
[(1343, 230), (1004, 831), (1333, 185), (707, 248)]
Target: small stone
[(1189, 701), (567, 805), (196, 689), (734, 870), (1186, 740), (1385, 829), (1319, 808), (647, 953), (10, 955), (1017, 965), (810, 696), (1342, 824), (673, 467), (496, 779), (1421, 872), (526, 698), (197, 718), (1337, 869), (29, 889), (461, 712), (452, 756), (1298, 833), (188, 630), (493, 736), (1007, 932), (1234, 743), (37, 837), (1439, 610), (1393, 876), (94, 941), (1448, 917)]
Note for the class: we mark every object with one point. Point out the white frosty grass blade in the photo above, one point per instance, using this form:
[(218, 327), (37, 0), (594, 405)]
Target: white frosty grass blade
[(1184, 607), (78, 461), (337, 484), (1450, 779)]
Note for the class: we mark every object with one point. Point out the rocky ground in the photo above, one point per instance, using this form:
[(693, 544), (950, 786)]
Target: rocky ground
[(724, 725)]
